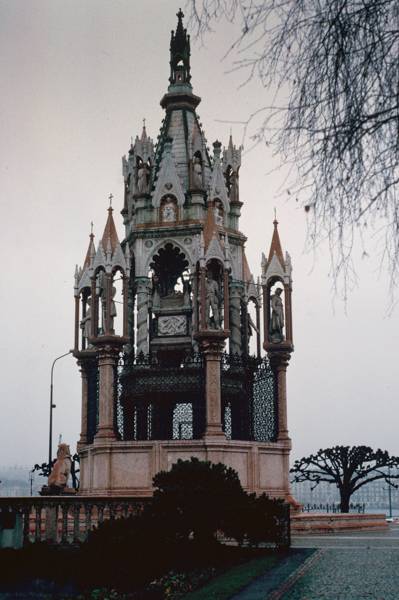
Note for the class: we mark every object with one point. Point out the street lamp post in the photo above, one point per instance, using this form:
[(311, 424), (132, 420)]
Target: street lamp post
[(51, 408)]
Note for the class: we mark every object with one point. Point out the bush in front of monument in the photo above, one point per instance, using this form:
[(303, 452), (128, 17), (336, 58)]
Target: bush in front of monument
[(178, 529)]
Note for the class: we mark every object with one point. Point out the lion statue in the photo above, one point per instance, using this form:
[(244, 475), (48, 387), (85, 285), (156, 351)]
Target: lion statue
[(62, 468)]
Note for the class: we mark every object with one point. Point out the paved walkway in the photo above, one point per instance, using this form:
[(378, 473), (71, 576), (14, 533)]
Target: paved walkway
[(355, 566)]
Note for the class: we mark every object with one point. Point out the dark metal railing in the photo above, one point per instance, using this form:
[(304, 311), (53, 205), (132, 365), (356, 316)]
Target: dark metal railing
[(332, 508)]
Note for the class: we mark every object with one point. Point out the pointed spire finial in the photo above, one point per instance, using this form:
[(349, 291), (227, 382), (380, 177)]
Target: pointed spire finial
[(180, 14), (275, 247)]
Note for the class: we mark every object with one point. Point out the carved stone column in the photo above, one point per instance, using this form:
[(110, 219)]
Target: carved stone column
[(279, 363), (142, 315), (77, 299), (212, 343), (108, 284), (83, 434), (108, 354), (258, 332), (235, 318)]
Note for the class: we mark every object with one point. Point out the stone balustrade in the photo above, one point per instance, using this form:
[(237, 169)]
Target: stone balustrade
[(66, 519)]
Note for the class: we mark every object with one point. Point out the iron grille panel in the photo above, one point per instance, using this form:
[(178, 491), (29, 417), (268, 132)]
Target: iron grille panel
[(159, 399), (162, 399), (265, 410)]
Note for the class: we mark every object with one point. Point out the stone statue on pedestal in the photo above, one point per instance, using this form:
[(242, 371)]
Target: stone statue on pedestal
[(85, 323), (277, 318), (212, 300)]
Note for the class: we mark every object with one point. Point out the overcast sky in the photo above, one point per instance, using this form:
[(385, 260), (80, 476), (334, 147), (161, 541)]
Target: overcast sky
[(78, 77)]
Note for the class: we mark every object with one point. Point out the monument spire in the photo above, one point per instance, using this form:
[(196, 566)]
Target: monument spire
[(275, 246), (180, 54)]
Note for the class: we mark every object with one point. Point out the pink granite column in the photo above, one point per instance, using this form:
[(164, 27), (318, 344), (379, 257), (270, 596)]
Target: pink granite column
[(279, 363), (83, 435), (212, 352), (108, 355)]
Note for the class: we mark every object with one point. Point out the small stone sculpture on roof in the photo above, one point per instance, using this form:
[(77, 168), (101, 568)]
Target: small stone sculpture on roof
[(197, 173)]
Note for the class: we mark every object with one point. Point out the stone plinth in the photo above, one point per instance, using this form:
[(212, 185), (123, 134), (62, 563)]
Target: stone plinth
[(127, 468), (318, 523)]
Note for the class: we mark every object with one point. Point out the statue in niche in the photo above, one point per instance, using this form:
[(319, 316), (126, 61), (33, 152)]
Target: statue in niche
[(156, 296), (212, 300), (197, 173), (186, 292), (169, 211), (218, 216), (104, 304), (277, 318), (113, 307), (85, 323), (143, 177)]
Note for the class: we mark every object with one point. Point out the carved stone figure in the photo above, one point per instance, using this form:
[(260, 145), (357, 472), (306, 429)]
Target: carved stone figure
[(113, 307), (141, 182), (212, 300), (85, 323), (62, 468), (277, 318), (197, 173), (218, 217), (186, 292), (168, 211), (104, 303)]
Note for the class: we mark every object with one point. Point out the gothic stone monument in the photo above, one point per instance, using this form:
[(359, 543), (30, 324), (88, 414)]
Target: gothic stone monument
[(178, 380)]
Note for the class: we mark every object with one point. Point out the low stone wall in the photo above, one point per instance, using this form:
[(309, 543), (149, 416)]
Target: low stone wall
[(317, 523)]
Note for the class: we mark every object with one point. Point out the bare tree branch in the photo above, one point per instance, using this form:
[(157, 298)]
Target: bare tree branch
[(334, 64)]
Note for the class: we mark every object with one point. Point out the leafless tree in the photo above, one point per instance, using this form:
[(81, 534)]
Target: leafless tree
[(347, 468), (335, 118)]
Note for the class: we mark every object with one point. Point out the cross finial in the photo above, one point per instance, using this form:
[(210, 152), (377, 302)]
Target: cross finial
[(110, 199), (179, 15), (91, 227), (143, 122), (275, 214)]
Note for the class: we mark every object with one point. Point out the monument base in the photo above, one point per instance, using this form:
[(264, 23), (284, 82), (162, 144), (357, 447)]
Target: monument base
[(319, 523), (116, 468)]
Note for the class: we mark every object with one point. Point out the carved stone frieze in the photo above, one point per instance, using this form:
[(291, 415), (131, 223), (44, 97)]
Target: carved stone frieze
[(172, 325)]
